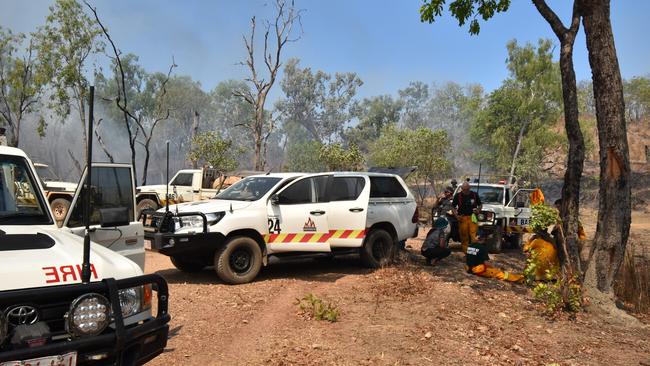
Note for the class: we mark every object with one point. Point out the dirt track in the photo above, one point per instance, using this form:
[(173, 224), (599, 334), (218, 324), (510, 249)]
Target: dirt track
[(409, 314)]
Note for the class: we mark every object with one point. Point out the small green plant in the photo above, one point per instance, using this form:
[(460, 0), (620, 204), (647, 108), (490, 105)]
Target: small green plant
[(531, 268), (318, 309), (542, 217), (559, 293)]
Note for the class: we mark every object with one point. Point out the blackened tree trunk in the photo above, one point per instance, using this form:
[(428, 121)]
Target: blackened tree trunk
[(614, 212), (570, 208)]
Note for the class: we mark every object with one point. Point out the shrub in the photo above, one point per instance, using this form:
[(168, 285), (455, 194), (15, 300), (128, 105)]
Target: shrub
[(318, 309)]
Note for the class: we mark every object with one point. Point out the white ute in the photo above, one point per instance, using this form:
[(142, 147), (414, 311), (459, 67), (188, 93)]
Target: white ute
[(286, 214), (47, 315)]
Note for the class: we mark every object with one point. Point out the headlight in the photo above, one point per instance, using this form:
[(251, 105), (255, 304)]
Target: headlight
[(3, 327), (197, 221), (481, 217), (88, 315), (130, 299)]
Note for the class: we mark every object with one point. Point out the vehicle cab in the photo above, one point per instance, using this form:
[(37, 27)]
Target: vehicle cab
[(47, 315)]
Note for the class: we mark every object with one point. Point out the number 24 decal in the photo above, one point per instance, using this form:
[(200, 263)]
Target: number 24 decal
[(274, 225)]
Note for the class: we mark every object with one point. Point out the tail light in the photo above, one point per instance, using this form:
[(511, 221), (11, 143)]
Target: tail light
[(416, 216)]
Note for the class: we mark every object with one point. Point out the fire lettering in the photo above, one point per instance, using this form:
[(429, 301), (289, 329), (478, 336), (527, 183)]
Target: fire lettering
[(66, 273)]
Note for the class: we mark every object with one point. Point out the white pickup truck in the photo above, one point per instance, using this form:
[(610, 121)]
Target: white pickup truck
[(47, 315), (286, 214), (188, 185)]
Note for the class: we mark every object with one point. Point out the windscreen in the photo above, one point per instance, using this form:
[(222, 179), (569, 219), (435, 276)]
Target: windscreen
[(248, 189), (487, 194), (21, 202)]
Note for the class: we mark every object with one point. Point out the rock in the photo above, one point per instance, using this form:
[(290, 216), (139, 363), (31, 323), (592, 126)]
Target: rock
[(517, 348), (482, 329), (245, 321), (316, 346), (428, 335), (503, 315)]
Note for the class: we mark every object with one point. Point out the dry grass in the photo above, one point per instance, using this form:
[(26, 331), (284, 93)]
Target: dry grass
[(633, 284)]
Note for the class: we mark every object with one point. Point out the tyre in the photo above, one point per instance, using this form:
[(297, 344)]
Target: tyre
[(60, 207), (145, 204), (188, 265), (238, 261), (495, 243), (378, 249)]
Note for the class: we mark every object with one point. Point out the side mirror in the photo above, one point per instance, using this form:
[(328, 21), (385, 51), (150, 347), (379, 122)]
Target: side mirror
[(520, 204), (111, 217), (275, 200)]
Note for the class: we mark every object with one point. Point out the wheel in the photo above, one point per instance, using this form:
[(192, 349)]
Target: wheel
[(495, 245), (378, 249), (145, 204), (238, 261), (189, 265), (60, 207)]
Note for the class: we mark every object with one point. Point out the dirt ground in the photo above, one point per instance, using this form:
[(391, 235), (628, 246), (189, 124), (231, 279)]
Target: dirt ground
[(409, 314)]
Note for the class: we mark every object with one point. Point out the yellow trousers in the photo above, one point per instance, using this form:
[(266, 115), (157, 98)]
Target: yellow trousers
[(466, 230), (484, 270)]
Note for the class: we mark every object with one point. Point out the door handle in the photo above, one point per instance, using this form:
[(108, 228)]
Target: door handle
[(317, 213), (356, 209)]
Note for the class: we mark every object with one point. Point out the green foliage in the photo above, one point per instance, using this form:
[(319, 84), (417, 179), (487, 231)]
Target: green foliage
[(318, 309), (305, 157), (464, 10), (64, 45), (316, 102), (374, 114), (337, 158), (529, 101), (424, 148), (559, 293), (21, 86), (542, 217), (637, 97), (210, 148)]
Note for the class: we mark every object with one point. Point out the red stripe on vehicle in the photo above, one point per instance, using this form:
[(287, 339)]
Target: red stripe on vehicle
[(325, 237), (362, 234), (272, 238), (345, 234), (289, 238), (306, 238)]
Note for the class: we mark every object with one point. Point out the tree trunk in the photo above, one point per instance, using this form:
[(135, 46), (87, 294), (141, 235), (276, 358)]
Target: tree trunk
[(514, 157), (570, 208), (194, 132), (614, 212)]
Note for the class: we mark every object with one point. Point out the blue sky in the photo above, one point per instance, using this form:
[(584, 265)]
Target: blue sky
[(381, 40)]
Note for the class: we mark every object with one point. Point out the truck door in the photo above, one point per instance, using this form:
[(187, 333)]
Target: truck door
[(347, 210), (112, 191), (518, 211), (180, 187), (297, 217)]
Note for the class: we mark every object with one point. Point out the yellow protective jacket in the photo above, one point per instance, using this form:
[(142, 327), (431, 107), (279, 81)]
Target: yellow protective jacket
[(544, 255)]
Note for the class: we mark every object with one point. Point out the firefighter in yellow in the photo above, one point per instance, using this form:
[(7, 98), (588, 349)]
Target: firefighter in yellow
[(477, 262), (543, 254), (466, 204)]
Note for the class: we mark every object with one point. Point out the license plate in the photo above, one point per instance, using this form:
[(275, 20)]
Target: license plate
[(523, 222), (147, 245), (68, 359)]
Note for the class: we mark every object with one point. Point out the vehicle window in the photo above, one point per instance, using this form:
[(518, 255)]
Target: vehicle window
[(21, 202), (521, 199), (111, 187), (346, 188), (489, 194), (248, 189), (320, 184), (209, 176), (386, 187), (183, 179), (46, 173), (298, 192)]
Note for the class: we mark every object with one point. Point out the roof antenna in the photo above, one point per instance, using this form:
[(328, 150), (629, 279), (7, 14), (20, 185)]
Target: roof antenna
[(85, 266), (167, 181)]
